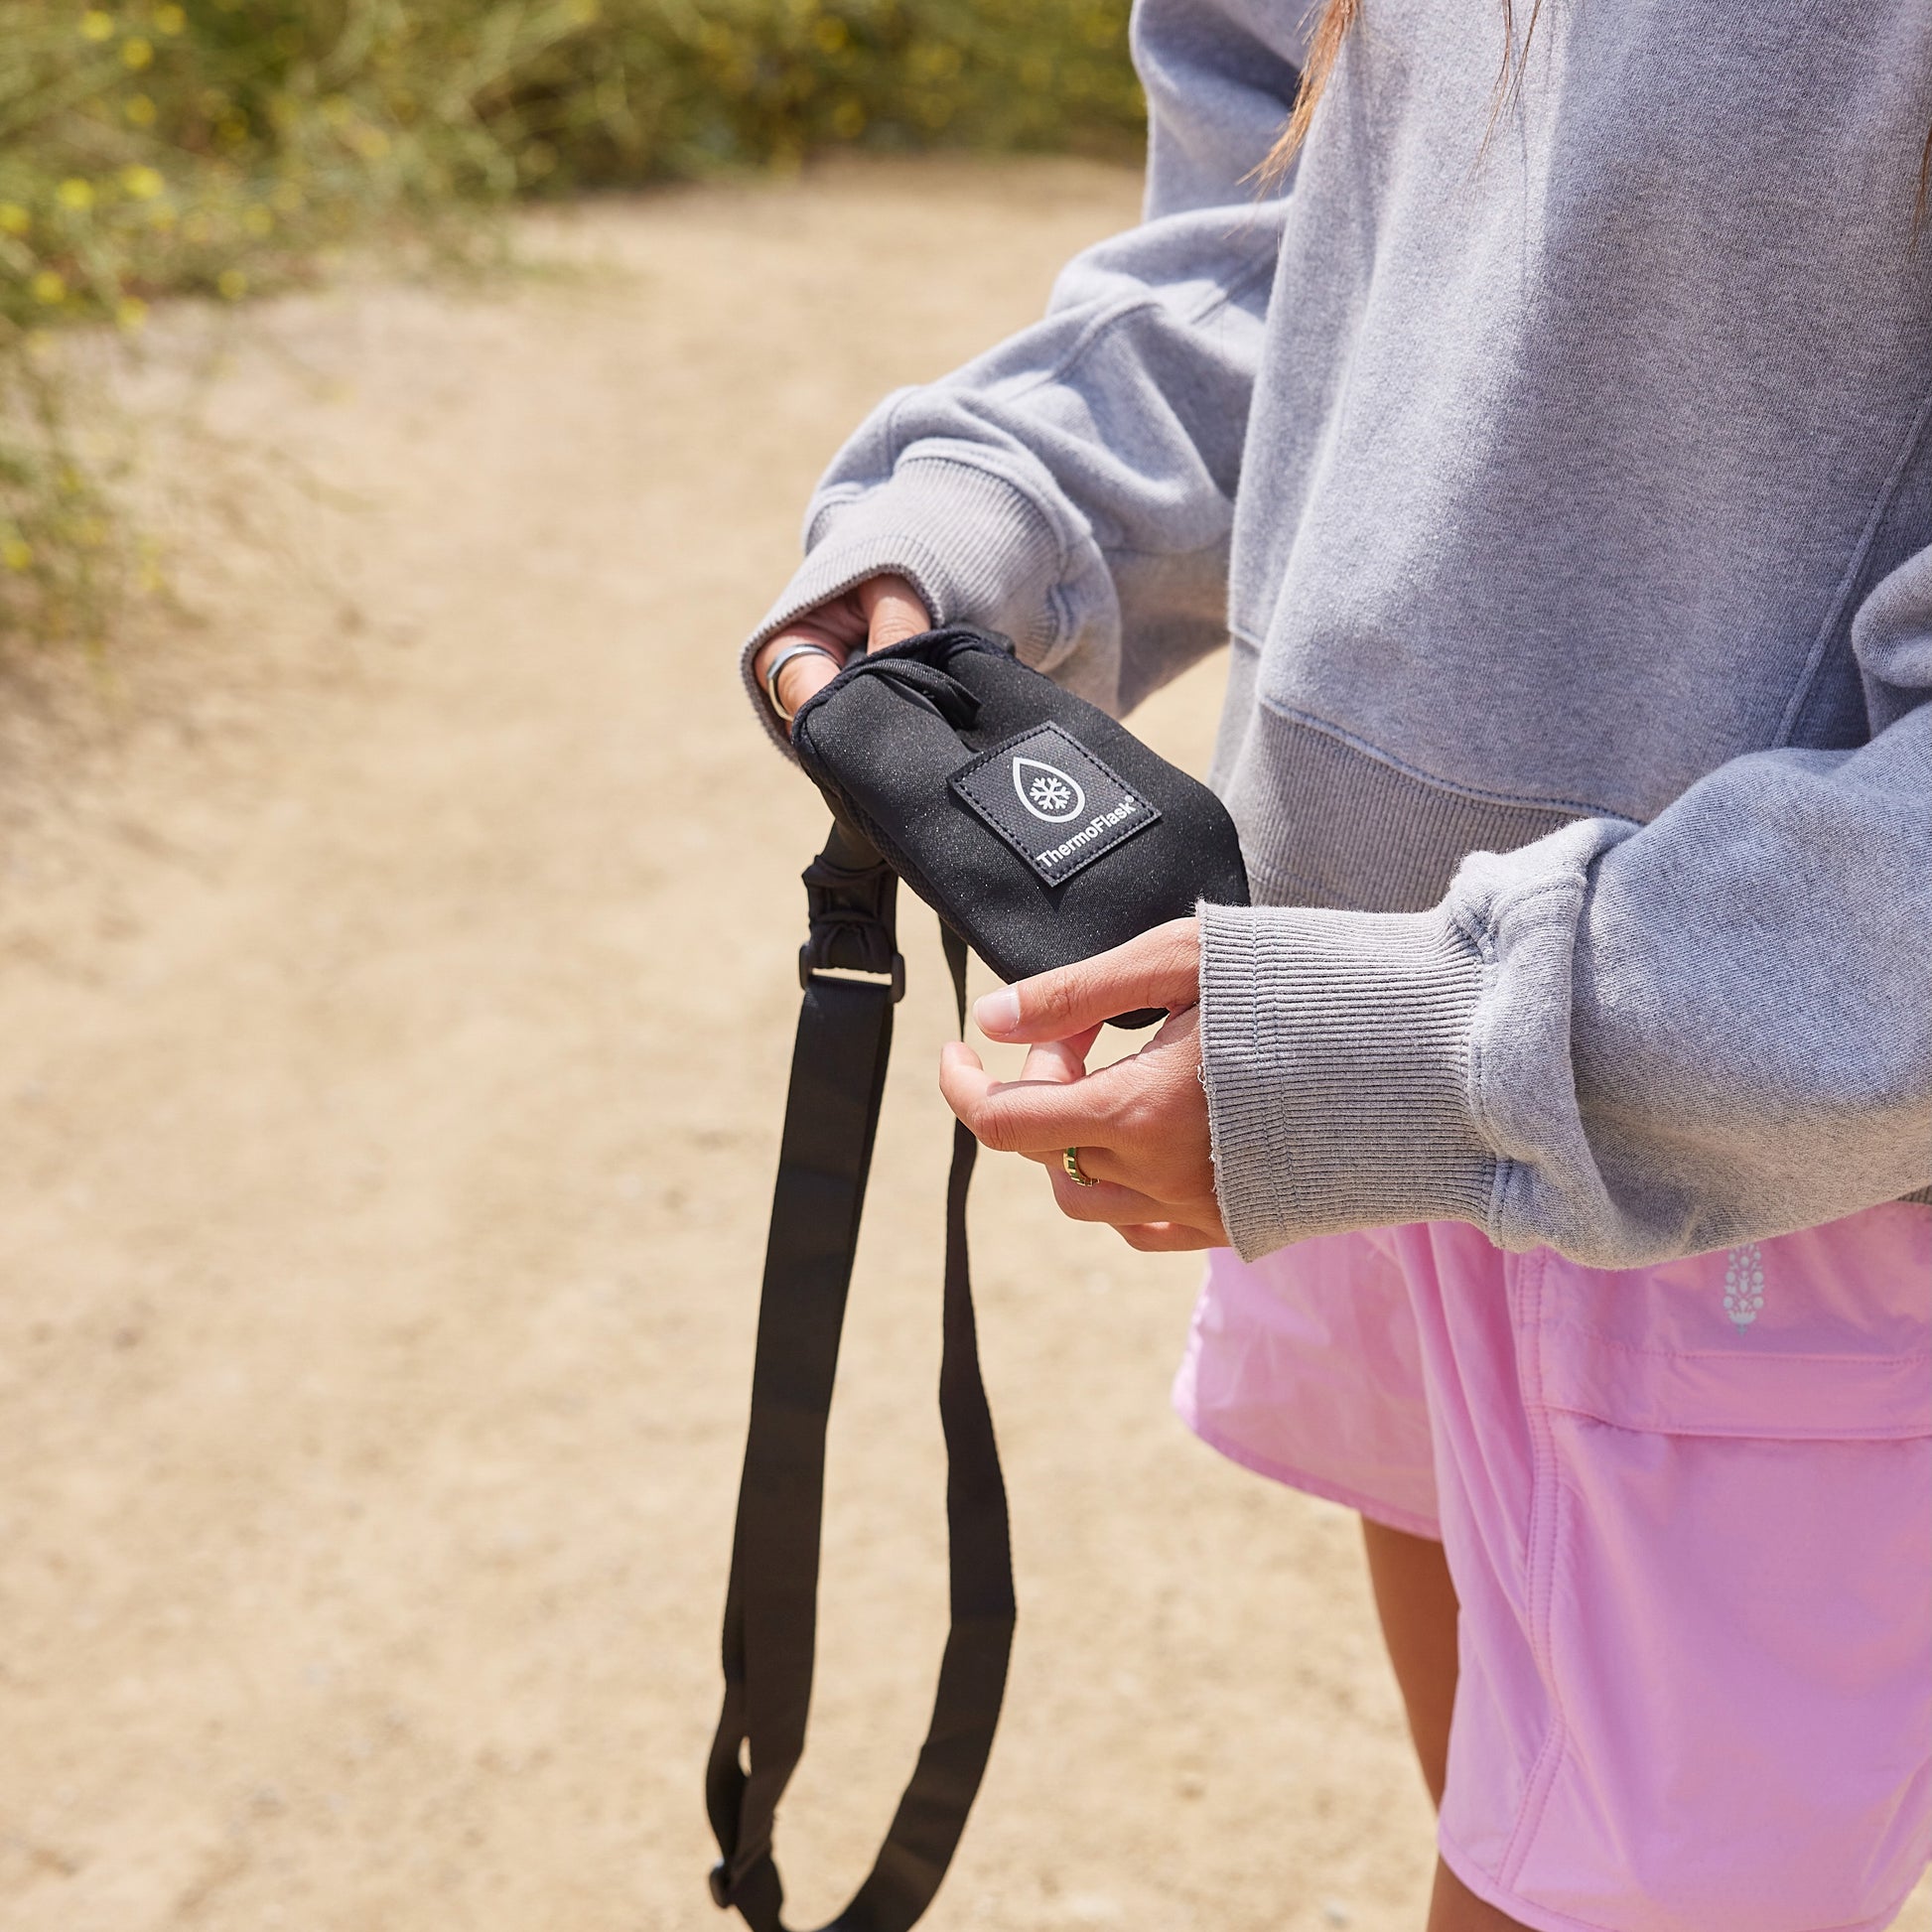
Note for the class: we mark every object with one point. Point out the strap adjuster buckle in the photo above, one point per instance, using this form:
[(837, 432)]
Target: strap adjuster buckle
[(811, 967)]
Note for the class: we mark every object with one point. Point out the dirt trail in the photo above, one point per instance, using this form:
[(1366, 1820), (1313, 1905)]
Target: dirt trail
[(392, 1038)]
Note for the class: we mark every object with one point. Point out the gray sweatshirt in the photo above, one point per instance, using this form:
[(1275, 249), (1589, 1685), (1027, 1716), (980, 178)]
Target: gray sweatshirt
[(1564, 484)]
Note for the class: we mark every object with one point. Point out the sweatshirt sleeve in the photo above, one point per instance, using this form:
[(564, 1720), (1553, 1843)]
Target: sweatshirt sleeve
[(1075, 488), (1627, 1043)]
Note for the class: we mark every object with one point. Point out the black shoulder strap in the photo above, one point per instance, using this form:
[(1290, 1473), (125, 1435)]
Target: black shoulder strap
[(838, 1072)]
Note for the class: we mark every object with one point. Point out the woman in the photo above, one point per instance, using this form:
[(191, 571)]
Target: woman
[(1556, 450)]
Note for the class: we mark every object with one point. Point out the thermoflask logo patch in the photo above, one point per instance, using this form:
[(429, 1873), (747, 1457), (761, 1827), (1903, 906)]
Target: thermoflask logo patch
[(1046, 792), (1052, 800)]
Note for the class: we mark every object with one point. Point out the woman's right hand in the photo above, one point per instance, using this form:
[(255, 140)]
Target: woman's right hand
[(879, 612)]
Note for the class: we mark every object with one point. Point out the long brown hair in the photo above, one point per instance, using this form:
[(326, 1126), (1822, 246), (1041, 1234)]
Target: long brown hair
[(1325, 50)]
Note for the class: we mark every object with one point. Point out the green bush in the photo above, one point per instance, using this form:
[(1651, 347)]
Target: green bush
[(658, 89), (221, 147)]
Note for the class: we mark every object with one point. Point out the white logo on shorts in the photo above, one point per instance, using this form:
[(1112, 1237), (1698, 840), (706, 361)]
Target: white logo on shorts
[(1050, 793), (1744, 1283)]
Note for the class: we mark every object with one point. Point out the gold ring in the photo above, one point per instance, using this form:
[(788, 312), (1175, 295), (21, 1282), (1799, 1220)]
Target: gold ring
[(1071, 1160)]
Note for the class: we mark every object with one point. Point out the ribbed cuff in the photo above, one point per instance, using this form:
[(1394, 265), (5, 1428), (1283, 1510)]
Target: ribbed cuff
[(975, 548), (1335, 1052)]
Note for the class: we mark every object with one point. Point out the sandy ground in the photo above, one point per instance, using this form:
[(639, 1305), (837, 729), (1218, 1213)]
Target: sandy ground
[(397, 1002)]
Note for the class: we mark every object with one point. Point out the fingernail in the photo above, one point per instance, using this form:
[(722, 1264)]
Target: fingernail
[(996, 1012)]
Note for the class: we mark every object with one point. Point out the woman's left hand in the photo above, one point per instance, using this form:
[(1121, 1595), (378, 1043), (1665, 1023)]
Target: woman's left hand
[(1139, 1126)]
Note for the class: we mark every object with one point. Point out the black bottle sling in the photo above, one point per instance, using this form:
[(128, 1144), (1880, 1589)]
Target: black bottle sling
[(1040, 832)]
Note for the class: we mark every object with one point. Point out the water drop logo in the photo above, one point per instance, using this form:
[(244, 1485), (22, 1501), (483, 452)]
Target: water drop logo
[(1046, 792), (1744, 1283)]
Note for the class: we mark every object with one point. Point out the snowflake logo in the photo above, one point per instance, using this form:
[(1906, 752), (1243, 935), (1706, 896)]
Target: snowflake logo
[(1051, 795), (1744, 1283)]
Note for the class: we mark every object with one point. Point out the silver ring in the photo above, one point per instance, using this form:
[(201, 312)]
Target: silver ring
[(783, 659)]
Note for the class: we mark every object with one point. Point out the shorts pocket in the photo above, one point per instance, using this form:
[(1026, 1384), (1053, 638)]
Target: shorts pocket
[(1826, 1333), (1735, 1600)]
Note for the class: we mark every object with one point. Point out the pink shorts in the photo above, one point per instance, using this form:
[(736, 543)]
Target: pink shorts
[(1689, 1514)]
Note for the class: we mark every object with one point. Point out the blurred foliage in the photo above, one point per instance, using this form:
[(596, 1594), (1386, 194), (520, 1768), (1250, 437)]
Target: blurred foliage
[(661, 89), (224, 147)]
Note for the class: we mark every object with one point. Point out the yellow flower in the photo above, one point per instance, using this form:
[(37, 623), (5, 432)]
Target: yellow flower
[(232, 283), (370, 143), (139, 110), (131, 313), (14, 220), (143, 184), (76, 194), (49, 286), (95, 25), (169, 19), (257, 221), (137, 52), (16, 553), (287, 196), (936, 62)]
